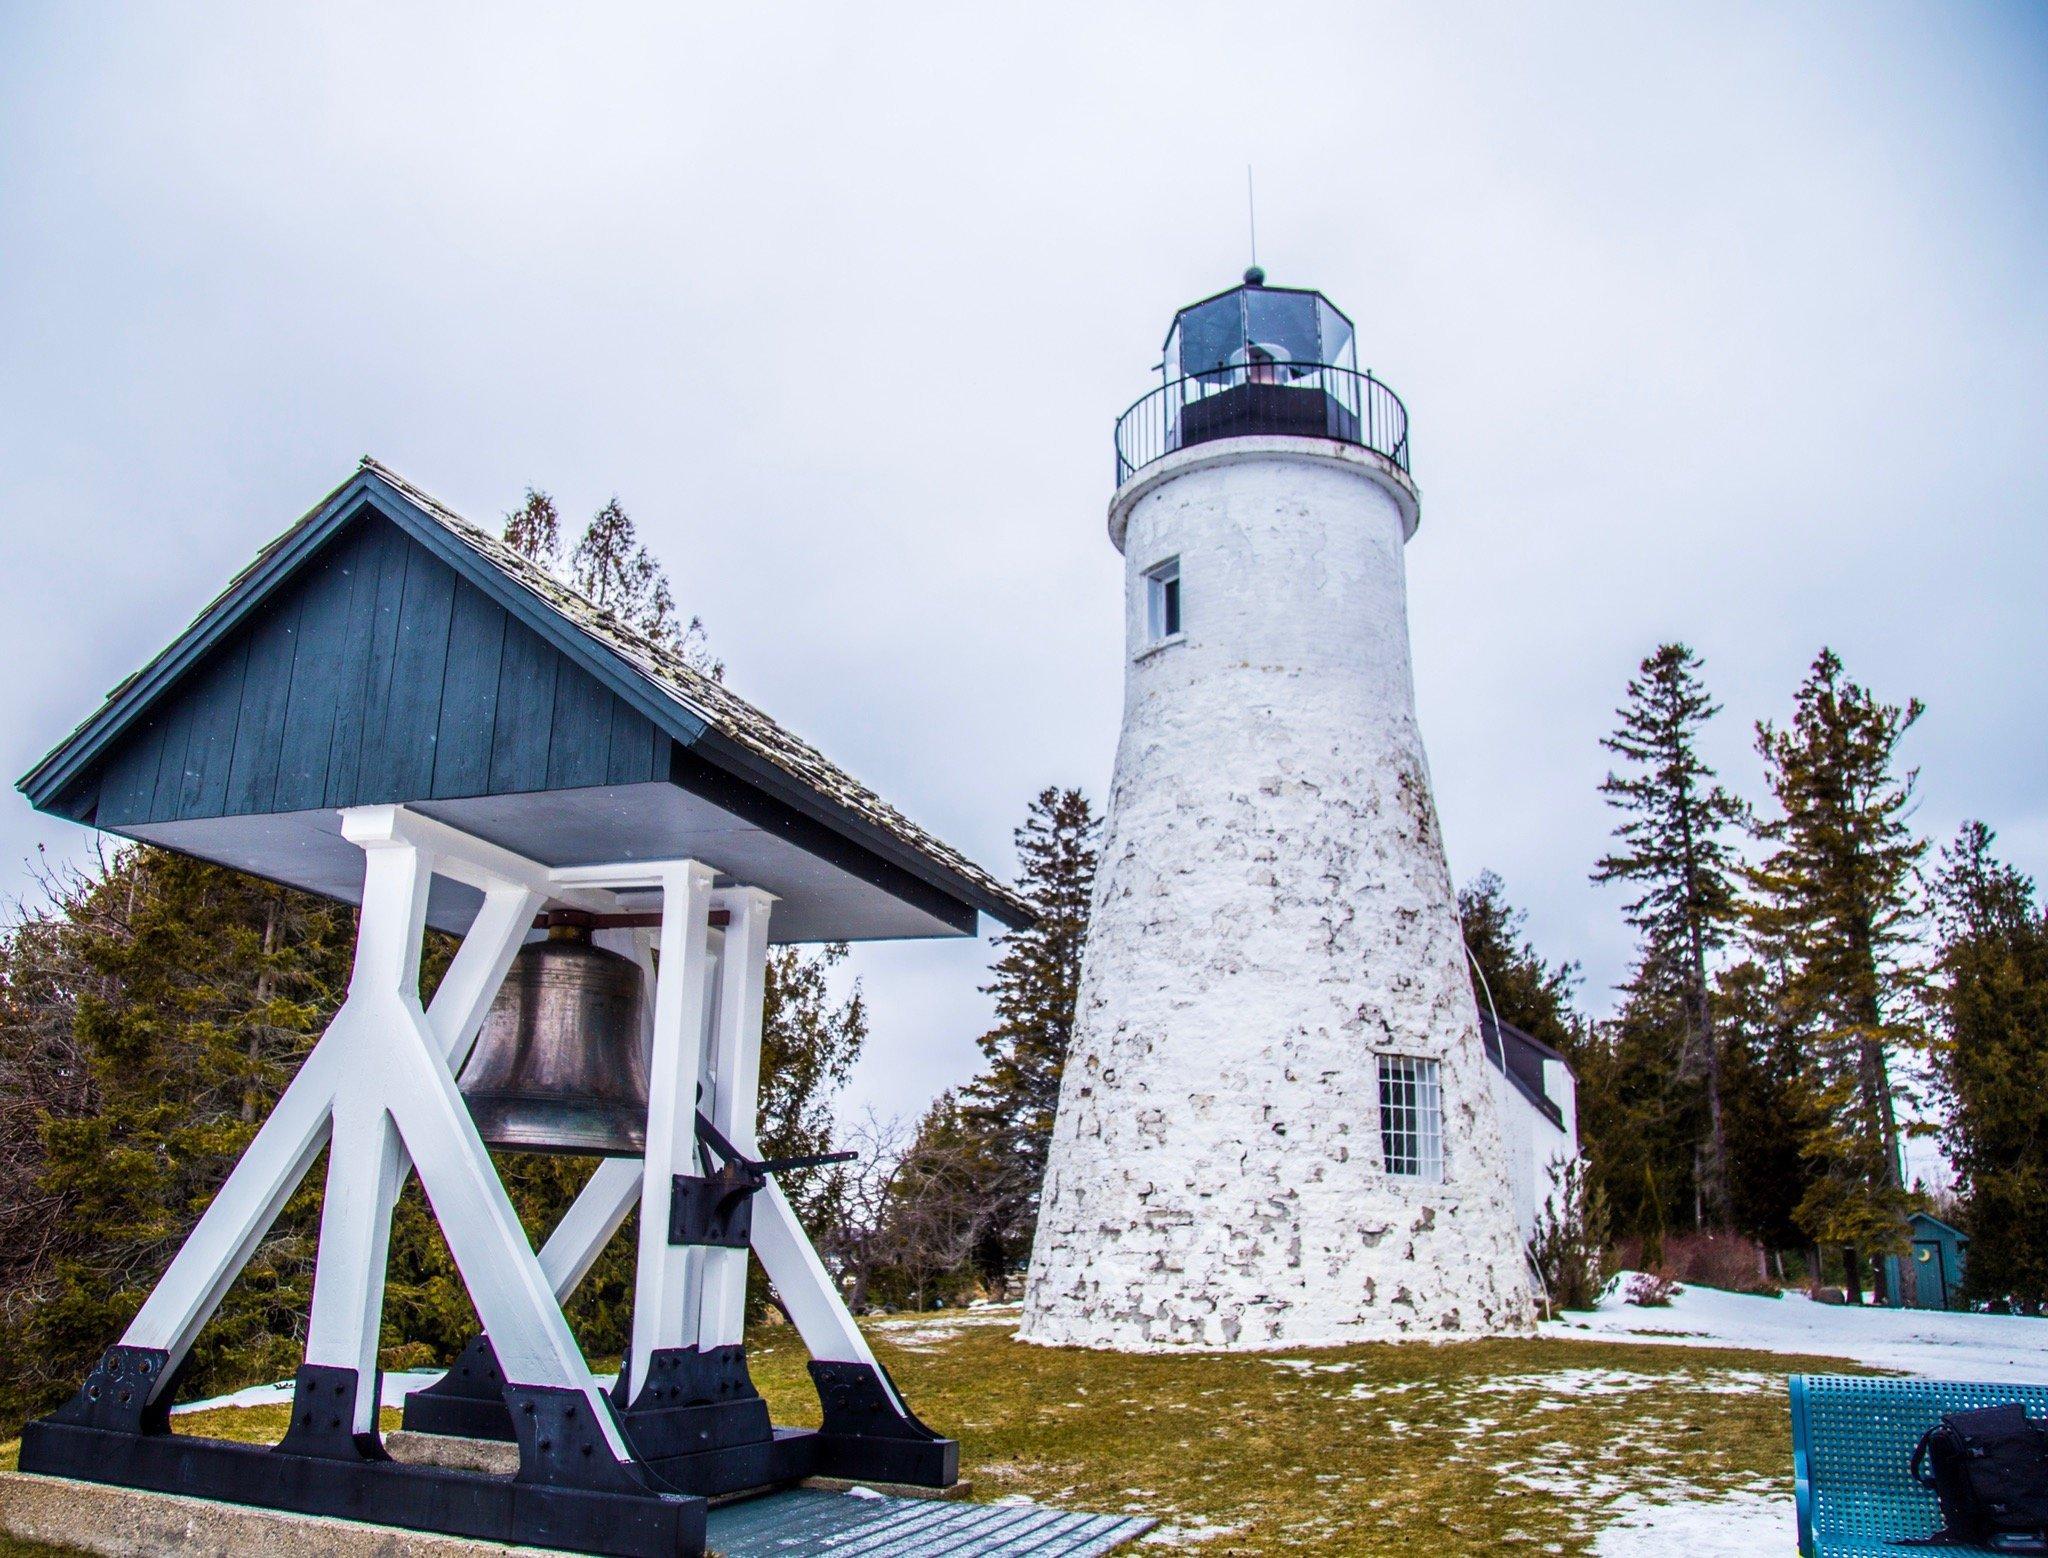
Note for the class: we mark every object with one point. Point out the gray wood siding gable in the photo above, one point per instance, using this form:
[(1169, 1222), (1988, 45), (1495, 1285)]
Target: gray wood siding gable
[(375, 674)]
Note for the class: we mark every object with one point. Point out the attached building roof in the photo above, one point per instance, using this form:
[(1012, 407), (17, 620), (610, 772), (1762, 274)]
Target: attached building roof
[(1521, 1056), (385, 648)]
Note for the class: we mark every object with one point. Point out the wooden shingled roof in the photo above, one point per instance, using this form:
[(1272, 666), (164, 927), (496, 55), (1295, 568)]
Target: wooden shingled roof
[(706, 721)]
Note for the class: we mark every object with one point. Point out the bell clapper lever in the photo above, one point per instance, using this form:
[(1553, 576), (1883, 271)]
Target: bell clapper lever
[(717, 1209), (751, 1174)]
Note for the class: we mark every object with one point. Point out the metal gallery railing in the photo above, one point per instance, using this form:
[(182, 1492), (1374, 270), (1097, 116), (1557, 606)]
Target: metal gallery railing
[(1316, 400)]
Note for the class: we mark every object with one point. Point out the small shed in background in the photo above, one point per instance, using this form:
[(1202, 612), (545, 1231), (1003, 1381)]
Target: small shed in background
[(1939, 1250)]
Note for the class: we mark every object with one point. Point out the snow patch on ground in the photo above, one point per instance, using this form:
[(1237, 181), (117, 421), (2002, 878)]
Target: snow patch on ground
[(396, 1387), (1930, 1343), (1185, 1534), (923, 1332), (1620, 1382), (1751, 1524)]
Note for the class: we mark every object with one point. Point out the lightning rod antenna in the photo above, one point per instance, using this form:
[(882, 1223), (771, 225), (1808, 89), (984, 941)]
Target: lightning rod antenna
[(1251, 207)]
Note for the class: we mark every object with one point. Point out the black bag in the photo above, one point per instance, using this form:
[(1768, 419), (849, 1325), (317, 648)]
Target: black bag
[(1989, 1469)]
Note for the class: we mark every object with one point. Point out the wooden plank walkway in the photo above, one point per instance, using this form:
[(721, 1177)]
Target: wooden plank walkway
[(810, 1520)]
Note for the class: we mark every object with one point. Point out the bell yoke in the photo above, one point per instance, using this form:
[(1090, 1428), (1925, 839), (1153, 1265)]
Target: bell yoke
[(504, 761)]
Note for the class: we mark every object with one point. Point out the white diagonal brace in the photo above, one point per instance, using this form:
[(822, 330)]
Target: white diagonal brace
[(802, 1283), (601, 1206), (240, 1214), (512, 1296), (463, 998)]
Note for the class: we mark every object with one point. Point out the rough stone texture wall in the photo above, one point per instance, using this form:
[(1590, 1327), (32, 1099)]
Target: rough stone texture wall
[(1272, 910)]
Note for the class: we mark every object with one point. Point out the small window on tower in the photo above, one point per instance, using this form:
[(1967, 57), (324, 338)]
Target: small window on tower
[(1411, 1118), (1162, 602)]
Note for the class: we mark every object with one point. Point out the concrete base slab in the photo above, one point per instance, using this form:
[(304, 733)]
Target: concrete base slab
[(962, 1489), (452, 1452), (129, 1523)]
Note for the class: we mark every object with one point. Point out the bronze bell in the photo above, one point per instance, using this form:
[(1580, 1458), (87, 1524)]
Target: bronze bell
[(559, 1066)]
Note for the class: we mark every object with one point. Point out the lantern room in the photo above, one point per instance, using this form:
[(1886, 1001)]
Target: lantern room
[(1260, 361), (1257, 333)]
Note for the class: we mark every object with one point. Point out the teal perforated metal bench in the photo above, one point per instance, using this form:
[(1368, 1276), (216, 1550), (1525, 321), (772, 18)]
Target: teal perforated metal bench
[(1852, 1444)]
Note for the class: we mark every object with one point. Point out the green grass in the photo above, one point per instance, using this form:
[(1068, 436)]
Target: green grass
[(1468, 1447), (1471, 1447)]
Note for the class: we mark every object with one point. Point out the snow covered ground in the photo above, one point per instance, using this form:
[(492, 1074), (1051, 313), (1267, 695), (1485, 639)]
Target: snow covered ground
[(1741, 1525), (1925, 1342)]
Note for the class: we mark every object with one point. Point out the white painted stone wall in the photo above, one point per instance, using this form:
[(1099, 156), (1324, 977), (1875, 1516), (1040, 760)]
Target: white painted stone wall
[(1532, 1143), (1272, 911)]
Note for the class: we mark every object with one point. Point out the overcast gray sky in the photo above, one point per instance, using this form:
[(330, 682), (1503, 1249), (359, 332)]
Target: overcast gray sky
[(1717, 322)]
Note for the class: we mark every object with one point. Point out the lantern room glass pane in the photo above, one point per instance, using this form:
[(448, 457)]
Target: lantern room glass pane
[(1338, 346), (1210, 334), (1283, 324)]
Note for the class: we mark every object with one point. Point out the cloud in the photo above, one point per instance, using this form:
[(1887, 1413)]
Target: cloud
[(1718, 324)]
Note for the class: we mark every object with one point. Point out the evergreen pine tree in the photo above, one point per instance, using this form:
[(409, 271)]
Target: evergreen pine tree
[(1509, 976), (1835, 904), (810, 1039), (178, 997), (1992, 1066), (1764, 1104), (1009, 1108), (1673, 851), (534, 529), (1647, 1123), (610, 568)]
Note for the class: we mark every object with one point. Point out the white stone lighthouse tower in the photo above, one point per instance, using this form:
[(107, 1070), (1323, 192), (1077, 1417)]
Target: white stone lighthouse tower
[(1276, 1125)]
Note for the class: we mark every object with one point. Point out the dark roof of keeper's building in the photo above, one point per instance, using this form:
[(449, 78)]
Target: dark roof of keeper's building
[(385, 649), (1521, 1055)]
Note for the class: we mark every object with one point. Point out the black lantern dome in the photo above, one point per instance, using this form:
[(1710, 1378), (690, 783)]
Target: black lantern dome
[(1260, 360)]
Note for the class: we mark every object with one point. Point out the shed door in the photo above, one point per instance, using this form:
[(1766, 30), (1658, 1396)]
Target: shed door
[(1933, 1278)]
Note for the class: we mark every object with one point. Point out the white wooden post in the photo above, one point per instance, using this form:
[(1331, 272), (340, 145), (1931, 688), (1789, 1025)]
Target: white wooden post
[(365, 1162), (732, 1094), (365, 1171), (662, 1280)]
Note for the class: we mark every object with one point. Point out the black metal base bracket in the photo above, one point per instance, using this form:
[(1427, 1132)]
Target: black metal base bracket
[(699, 1424), (869, 1435), (700, 1427), (572, 1492), (323, 1417), (117, 1393), (468, 1402), (615, 1524)]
